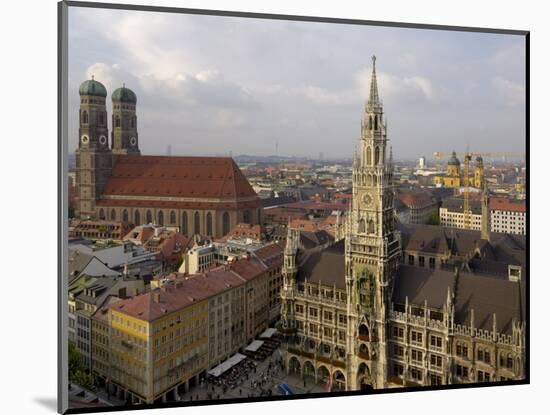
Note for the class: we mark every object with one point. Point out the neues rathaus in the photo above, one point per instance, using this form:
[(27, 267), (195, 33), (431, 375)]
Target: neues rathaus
[(394, 305)]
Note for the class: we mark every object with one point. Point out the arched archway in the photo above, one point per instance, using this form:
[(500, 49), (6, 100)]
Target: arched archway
[(161, 217), (113, 214), (361, 227), (294, 366), (309, 370), (125, 215), (101, 214), (371, 226), (364, 381), (149, 217), (338, 381), (172, 218), (323, 375), (364, 332), (137, 218)]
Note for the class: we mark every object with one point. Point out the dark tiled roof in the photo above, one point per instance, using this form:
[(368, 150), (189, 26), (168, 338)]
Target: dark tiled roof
[(486, 296), (422, 284), (456, 204), (311, 240), (326, 265)]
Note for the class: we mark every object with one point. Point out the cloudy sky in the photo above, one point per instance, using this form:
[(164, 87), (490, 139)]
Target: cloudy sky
[(209, 85)]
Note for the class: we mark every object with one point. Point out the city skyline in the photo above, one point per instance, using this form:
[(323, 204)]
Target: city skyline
[(294, 88)]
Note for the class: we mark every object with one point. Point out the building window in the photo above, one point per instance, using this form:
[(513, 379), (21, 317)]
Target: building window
[(432, 263), (397, 332), (101, 214), (113, 214), (184, 223), (84, 117), (411, 259), (172, 217), (125, 215), (225, 223), (313, 312), (117, 121), (416, 356), (149, 217), (421, 261), (133, 122), (416, 374), (435, 360), (461, 371), (209, 224), (246, 217), (435, 342), (137, 219), (416, 337), (435, 380), (299, 308), (161, 218), (327, 315), (101, 118), (197, 223)]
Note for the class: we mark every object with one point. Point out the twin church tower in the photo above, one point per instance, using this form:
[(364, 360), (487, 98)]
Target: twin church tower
[(94, 154)]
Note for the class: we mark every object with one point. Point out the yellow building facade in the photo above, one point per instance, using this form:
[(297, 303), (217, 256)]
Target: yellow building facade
[(151, 357), (455, 177)]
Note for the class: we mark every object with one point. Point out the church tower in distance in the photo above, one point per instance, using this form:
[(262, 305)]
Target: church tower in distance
[(124, 134), (93, 156), (372, 249)]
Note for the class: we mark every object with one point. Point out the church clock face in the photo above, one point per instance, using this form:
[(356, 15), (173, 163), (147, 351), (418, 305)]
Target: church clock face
[(133, 141), (103, 140), (84, 139)]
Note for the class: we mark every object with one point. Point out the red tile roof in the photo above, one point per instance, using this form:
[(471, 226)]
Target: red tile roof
[(500, 203), (415, 200), (190, 177), (185, 291)]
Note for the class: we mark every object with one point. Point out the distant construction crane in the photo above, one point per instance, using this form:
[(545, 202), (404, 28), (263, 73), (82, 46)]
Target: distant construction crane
[(466, 175)]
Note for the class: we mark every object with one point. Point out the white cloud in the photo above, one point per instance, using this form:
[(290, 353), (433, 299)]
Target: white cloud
[(512, 93), (395, 88)]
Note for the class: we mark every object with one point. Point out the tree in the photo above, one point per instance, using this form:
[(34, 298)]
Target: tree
[(77, 370)]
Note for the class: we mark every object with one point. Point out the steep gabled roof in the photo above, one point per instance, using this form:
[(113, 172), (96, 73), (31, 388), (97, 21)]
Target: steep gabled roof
[(186, 177)]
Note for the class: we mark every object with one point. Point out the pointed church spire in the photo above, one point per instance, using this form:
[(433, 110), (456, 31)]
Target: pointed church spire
[(374, 101)]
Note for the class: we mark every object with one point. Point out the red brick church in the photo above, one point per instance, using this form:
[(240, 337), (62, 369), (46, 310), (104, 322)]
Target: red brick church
[(200, 195)]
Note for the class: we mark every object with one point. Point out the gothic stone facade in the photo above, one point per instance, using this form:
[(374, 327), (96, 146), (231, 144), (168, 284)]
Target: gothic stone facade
[(356, 317)]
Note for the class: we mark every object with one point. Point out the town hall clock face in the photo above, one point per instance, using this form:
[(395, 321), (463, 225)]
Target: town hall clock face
[(84, 139), (133, 141), (103, 140), (367, 199)]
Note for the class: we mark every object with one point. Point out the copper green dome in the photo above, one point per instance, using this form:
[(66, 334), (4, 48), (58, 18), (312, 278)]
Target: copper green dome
[(92, 87), (124, 95), (453, 161)]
